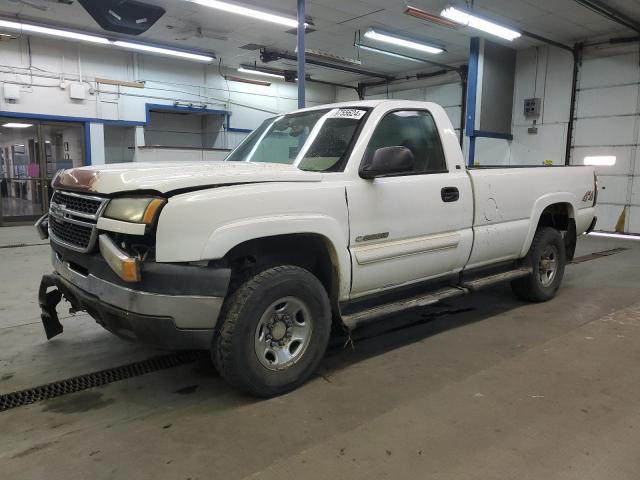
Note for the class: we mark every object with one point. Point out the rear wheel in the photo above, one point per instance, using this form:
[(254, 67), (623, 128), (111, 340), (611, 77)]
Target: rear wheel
[(547, 259), (275, 329)]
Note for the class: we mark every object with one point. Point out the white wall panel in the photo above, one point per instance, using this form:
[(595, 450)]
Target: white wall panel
[(603, 101), (607, 120), (413, 94), (446, 95), (548, 144), (166, 81), (604, 131), (634, 219), (625, 157), (612, 70), (609, 88), (608, 216), (613, 189), (491, 151), (558, 76)]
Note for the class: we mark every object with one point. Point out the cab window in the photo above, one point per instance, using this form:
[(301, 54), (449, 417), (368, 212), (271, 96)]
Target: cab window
[(415, 130)]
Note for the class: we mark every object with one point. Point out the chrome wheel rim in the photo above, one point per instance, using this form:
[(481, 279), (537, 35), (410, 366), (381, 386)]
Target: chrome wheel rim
[(283, 333), (548, 265)]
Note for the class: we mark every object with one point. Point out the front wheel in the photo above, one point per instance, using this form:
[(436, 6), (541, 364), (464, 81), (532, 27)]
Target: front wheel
[(275, 330), (547, 258)]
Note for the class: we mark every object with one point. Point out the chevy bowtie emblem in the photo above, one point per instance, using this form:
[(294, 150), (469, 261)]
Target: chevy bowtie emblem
[(55, 210)]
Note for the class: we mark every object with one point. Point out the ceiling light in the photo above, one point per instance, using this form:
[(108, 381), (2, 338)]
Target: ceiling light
[(601, 160), (391, 54), (260, 72), (17, 125), (403, 42), (248, 12), (25, 27), (429, 17), (233, 78), (467, 19), (162, 51), (330, 56), (38, 29)]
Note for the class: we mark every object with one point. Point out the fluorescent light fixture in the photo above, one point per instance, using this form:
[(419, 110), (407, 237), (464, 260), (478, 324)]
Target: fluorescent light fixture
[(600, 160), (55, 32), (17, 125), (249, 12), (252, 81), (66, 34), (387, 52), (472, 21), (162, 51), (260, 72), (403, 42)]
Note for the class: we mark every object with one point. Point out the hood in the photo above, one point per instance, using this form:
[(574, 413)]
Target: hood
[(165, 177)]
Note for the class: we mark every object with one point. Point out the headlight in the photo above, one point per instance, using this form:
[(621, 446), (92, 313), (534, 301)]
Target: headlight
[(134, 209)]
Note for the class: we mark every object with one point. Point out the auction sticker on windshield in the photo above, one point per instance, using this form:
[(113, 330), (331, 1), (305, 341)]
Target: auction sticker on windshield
[(348, 113)]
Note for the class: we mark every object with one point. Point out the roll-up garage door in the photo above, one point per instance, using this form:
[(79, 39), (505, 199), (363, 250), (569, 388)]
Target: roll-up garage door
[(607, 123)]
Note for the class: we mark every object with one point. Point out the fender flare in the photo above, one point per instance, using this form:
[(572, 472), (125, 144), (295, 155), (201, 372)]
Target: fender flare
[(227, 236), (539, 206)]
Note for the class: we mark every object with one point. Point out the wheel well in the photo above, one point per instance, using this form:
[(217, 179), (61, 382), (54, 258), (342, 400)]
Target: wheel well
[(560, 216), (312, 252)]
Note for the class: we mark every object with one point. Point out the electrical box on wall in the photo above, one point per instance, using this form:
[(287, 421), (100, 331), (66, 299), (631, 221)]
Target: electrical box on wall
[(11, 92), (77, 91), (532, 107)]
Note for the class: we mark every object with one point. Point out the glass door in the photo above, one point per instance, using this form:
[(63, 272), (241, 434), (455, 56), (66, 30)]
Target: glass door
[(31, 152)]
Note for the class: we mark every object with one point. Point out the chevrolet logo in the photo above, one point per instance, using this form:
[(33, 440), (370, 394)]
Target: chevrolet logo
[(56, 211)]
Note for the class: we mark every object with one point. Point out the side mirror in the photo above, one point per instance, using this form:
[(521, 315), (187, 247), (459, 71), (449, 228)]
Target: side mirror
[(387, 161)]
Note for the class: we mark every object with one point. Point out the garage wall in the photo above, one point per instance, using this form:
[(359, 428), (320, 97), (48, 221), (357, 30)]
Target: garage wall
[(46, 68), (445, 90), (607, 122)]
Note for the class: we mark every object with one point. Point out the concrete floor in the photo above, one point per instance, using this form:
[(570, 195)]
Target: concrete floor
[(484, 387)]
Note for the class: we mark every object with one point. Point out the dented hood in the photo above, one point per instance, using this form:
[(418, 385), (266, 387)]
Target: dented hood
[(165, 177)]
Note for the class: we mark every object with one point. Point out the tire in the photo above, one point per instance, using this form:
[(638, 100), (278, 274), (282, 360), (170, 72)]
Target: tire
[(541, 286), (280, 305)]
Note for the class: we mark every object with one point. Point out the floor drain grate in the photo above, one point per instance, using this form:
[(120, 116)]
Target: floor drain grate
[(22, 245), (593, 256), (95, 379)]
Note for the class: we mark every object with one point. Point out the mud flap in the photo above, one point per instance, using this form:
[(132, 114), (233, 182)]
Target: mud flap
[(49, 301)]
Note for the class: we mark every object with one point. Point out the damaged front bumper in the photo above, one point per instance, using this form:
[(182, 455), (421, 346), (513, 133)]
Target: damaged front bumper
[(163, 314)]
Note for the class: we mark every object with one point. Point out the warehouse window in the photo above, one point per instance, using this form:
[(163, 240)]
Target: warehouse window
[(415, 130)]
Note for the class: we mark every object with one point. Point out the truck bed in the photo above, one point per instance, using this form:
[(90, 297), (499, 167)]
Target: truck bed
[(503, 208)]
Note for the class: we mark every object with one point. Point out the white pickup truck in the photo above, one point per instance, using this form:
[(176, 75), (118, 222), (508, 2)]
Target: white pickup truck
[(325, 217)]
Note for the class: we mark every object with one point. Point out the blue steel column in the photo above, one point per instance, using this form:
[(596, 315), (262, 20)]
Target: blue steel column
[(301, 59), (472, 90)]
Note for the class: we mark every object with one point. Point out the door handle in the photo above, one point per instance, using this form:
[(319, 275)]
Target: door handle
[(450, 194)]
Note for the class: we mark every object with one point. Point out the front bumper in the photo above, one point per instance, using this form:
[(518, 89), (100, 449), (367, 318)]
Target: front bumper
[(155, 317)]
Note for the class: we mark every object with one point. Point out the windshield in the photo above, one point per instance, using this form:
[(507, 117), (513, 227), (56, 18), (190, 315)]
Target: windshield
[(317, 140)]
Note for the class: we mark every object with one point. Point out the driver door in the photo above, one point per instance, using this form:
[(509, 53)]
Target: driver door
[(408, 227)]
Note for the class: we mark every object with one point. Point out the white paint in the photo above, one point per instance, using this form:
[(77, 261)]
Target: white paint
[(607, 121), (96, 133), (425, 237), (166, 81)]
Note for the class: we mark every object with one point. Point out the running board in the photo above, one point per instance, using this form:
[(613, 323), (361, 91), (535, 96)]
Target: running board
[(357, 319), (479, 283)]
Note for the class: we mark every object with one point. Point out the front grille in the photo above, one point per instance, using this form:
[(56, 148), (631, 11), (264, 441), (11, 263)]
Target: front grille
[(77, 203), (71, 233), (73, 218)]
